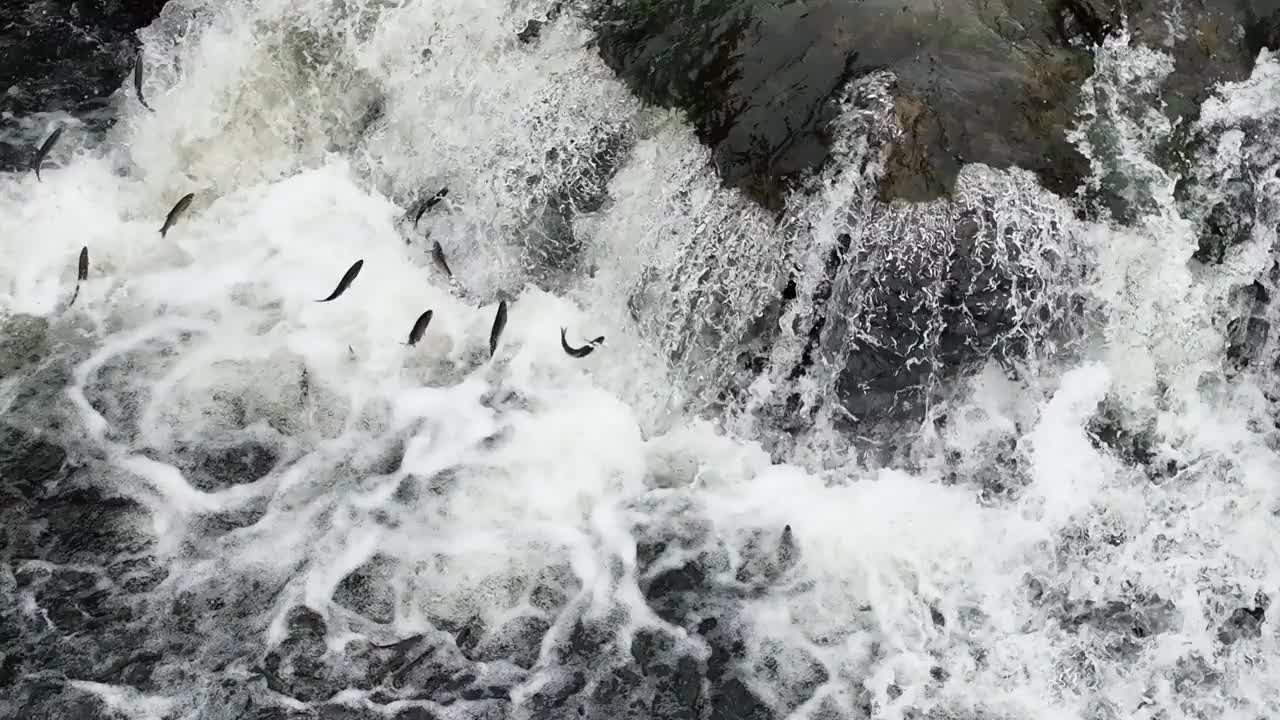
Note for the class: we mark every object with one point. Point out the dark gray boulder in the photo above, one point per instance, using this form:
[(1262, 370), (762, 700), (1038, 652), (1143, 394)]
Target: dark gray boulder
[(995, 83)]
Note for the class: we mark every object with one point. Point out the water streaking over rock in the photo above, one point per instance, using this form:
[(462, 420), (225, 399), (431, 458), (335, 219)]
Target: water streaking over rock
[(63, 60), (971, 458)]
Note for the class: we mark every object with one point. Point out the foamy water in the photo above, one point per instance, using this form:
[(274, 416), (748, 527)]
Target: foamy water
[(564, 529)]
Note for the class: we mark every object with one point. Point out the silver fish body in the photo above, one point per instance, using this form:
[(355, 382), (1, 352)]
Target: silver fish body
[(420, 327), (499, 322), (346, 281), (176, 213), (44, 151)]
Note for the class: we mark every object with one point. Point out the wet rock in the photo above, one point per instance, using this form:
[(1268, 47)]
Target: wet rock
[(991, 85), (588, 640), (86, 526), (216, 524), (121, 387), (49, 700), (552, 588), (518, 641), (919, 166), (446, 678), (616, 692), (301, 667), (976, 82), (533, 28), (673, 593), (73, 601), (1262, 28), (1218, 42), (1245, 622), (1226, 185), (23, 341), (335, 711), (557, 692), (63, 55), (213, 467), (27, 462), (940, 291), (416, 713), (793, 674), (1122, 624), (1133, 441), (1229, 223), (1246, 338), (734, 701), (1192, 673), (367, 590), (571, 181)]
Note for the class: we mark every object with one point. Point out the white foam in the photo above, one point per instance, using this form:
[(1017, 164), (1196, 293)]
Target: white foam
[(245, 112)]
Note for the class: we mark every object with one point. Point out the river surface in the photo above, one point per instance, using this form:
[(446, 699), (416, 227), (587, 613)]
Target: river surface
[(224, 499)]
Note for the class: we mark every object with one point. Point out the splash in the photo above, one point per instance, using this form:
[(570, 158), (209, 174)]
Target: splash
[(231, 500)]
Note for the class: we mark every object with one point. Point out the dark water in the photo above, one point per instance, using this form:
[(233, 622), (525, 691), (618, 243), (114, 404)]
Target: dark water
[(63, 56), (975, 82)]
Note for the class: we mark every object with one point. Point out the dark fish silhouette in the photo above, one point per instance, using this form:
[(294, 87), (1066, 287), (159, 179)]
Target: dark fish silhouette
[(437, 254), (420, 327), (430, 203), (44, 151), (499, 322), (176, 212), (137, 80), (82, 274), (580, 352), (346, 281)]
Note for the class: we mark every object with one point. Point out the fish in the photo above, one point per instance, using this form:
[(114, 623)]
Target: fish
[(44, 151), (430, 203), (580, 352), (499, 322), (137, 80), (176, 212), (420, 327), (82, 274), (437, 254), (346, 281)]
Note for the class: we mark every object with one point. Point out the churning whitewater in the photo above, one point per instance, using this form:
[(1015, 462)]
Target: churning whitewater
[(299, 514)]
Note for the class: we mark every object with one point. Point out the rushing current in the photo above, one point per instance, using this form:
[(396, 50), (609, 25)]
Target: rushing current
[(286, 511)]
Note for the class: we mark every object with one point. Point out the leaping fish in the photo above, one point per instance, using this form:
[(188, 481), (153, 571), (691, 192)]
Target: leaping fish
[(499, 322), (346, 281), (430, 203), (44, 151), (437, 254), (137, 80), (82, 274), (176, 213), (579, 352), (420, 327)]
